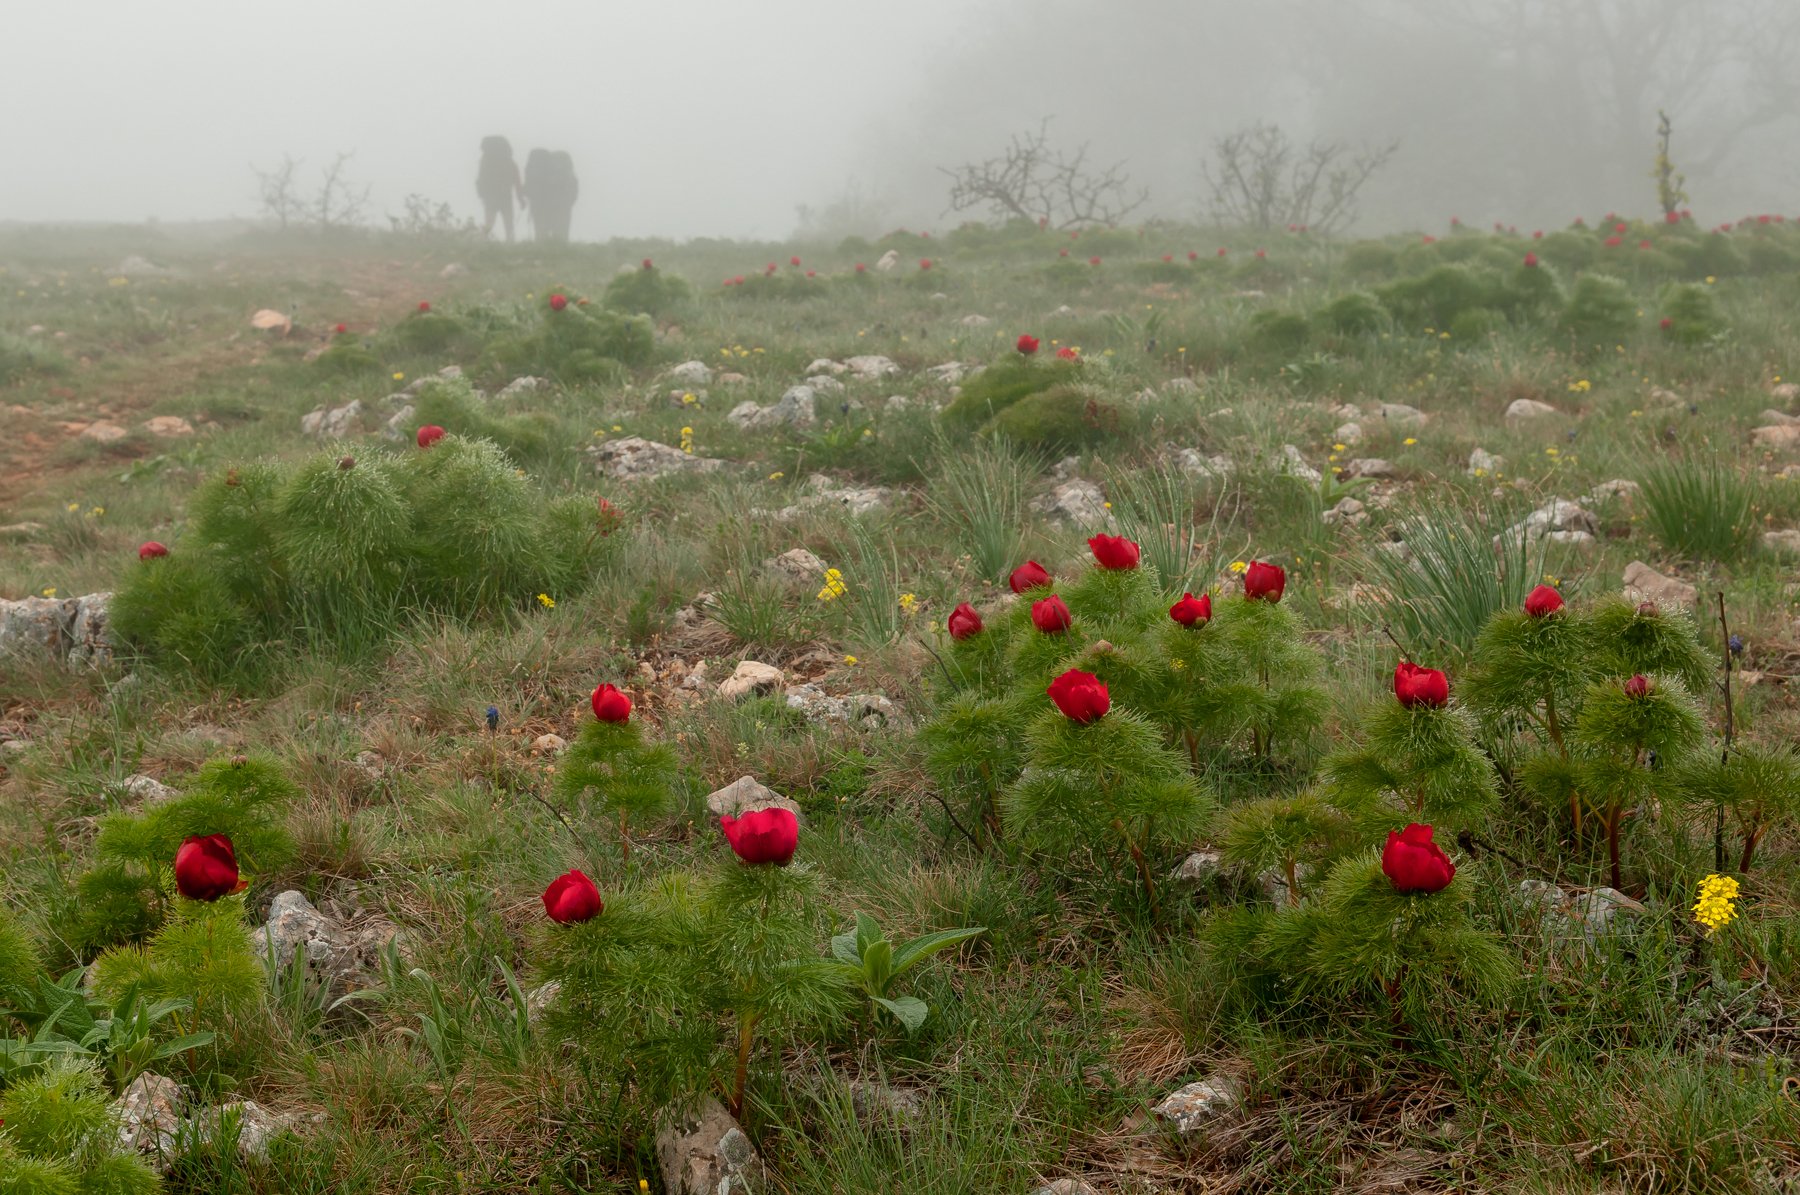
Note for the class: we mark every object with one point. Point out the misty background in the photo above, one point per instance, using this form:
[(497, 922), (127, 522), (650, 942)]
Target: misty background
[(713, 118)]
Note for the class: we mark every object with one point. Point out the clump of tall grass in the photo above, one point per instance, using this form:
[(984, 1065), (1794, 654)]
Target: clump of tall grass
[(1700, 509), (1461, 565), (980, 493)]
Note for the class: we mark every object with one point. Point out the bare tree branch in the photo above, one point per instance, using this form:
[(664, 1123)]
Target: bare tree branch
[(1034, 181), (1259, 179)]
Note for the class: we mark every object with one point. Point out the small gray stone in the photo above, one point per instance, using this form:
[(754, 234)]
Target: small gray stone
[(1294, 464), (744, 795), (1371, 467), (1347, 513), (1348, 433), (702, 1151), (332, 423), (1077, 502), (149, 1114), (692, 373), (1644, 584), (1786, 542), (1528, 408), (1199, 869), (632, 458), (1484, 463), (751, 678), (871, 368), (1065, 1186), (335, 958), (1402, 415), (798, 565), (146, 790), (879, 1101), (1201, 1104)]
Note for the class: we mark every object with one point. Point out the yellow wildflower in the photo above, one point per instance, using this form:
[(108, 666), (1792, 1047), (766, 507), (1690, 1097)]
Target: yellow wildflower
[(688, 400), (1713, 907), (1337, 448), (399, 376), (909, 602), (74, 506), (49, 591), (1410, 440), (546, 601), (834, 586), (849, 659), (777, 475), (1238, 566)]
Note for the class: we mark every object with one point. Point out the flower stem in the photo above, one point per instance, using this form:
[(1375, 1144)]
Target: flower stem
[(746, 1039), (1143, 866), (624, 837)]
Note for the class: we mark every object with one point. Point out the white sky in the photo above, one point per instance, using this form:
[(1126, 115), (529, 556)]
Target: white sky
[(684, 117)]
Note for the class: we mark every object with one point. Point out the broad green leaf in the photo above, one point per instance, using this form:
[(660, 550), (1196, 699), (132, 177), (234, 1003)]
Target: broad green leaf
[(878, 966), (867, 933), (910, 1010), (926, 945), (843, 948)]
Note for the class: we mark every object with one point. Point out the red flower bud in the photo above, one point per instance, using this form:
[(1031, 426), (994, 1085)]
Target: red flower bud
[(1167, 258), (763, 836), (1665, 323), (206, 868), (1193, 255), (150, 550), (430, 434), (861, 268), (572, 897), (1066, 353), (1614, 242), (424, 306), (770, 268), (1062, 252), (1672, 217), (1027, 344), (1638, 686), (1647, 609), (812, 273), (610, 705), (1414, 863), (1643, 244), (1191, 611), (964, 622), (1531, 260), (1543, 602), (1538, 235), (1051, 615), (648, 265), (341, 329), (1093, 261), (1030, 575), (1261, 253), (1264, 582), (1620, 226), (1222, 251), (1414, 685), (1081, 696), (558, 302), (924, 263), (1114, 552), (794, 261)]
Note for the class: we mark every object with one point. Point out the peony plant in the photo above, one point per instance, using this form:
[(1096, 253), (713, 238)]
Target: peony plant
[(610, 759)]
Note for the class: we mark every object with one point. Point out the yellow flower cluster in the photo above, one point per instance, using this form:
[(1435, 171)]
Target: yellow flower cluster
[(1714, 908), (834, 586), (1581, 387), (909, 602), (1238, 566), (687, 439), (546, 601)]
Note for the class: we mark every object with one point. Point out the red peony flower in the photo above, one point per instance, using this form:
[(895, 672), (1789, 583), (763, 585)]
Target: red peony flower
[(558, 302), (1644, 244), (924, 263), (1762, 219), (1193, 255), (1671, 217), (812, 273), (1538, 235), (1027, 343), (430, 434), (1428, 239), (1051, 615), (1114, 552), (1093, 261), (1531, 260), (648, 265), (206, 868), (424, 306), (861, 268), (738, 281), (572, 897), (964, 622), (1456, 221), (341, 329), (794, 261), (1222, 251), (1081, 696), (1030, 575), (1543, 602), (1261, 253), (611, 705), (1167, 258), (770, 268), (1621, 226), (1638, 686), (1062, 252), (1264, 582), (1191, 611), (763, 835), (1613, 242), (1414, 863), (1065, 353), (1414, 685), (151, 550), (1665, 323)]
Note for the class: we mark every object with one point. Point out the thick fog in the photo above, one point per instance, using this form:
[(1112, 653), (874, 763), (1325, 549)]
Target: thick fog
[(720, 118)]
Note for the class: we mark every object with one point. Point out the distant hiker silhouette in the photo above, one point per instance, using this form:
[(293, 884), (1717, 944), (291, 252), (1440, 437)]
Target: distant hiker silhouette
[(551, 189), (497, 182)]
